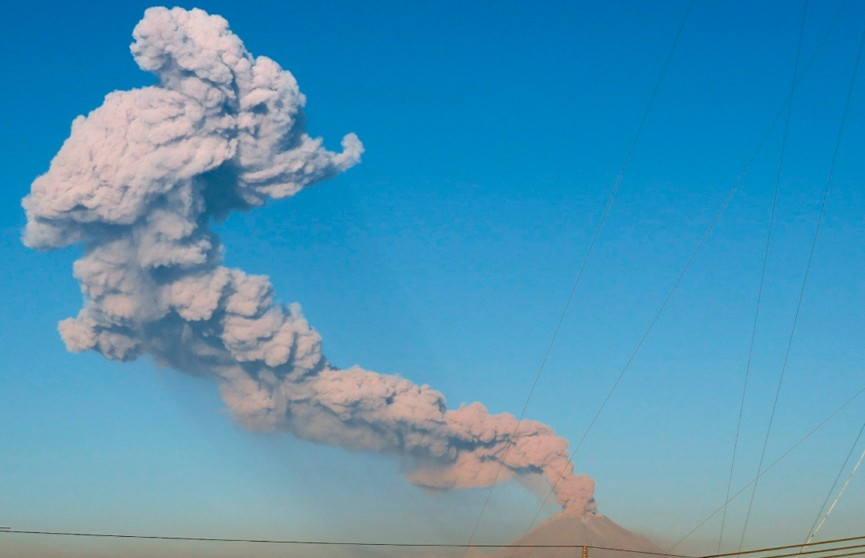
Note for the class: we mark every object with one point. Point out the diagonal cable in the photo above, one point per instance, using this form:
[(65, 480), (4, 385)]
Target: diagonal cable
[(833, 542), (815, 527), (790, 450), (583, 264), (674, 288), (807, 272), (730, 194), (763, 273), (841, 492), (835, 20)]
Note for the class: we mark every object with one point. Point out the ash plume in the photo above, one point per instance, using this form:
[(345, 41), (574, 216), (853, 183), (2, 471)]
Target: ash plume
[(139, 182)]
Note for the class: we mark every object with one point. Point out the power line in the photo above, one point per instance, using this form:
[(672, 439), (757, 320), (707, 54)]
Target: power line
[(585, 261), (815, 528), (807, 270), (763, 272), (790, 450), (298, 542), (727, 199), (821, 551), (784, 105), (787, 547), (733, 189), (842, 555)]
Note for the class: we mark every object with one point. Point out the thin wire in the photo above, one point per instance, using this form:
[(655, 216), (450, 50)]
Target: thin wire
[(842, 555), (790, 450), (807, 271), (805, 72), (324, 542), (724, 204), (670, 294), (843, 489), (702, 241), (813, 532), (820, 551), (858, 553), (800, 553), (763, 272), (786, 547), (585, 261), (441, 545)]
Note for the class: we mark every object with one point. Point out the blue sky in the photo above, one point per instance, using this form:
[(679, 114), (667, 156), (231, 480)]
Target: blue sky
[(493, 133)]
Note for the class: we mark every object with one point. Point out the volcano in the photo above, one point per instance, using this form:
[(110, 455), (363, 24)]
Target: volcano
[(589, 530)]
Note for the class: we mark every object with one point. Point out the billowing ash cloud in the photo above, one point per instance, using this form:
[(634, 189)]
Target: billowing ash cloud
[(138, 183)]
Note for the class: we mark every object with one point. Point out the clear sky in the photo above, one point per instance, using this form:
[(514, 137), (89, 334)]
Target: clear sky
[(494, 132)]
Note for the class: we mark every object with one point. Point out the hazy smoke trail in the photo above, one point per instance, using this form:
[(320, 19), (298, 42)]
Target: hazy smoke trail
[(138, 182)]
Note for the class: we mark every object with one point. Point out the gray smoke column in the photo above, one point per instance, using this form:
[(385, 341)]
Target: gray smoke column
[(138, 183)]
